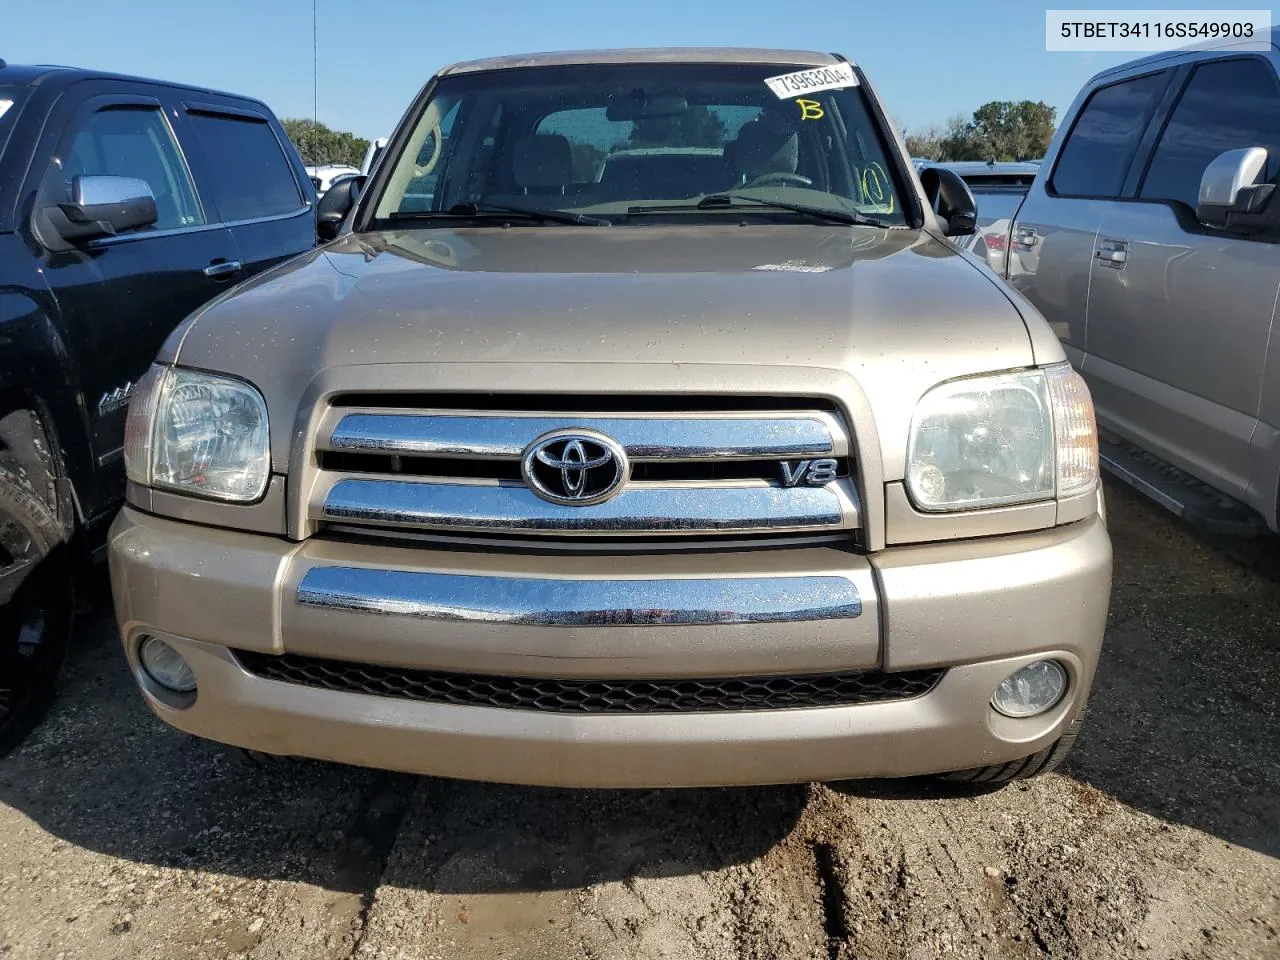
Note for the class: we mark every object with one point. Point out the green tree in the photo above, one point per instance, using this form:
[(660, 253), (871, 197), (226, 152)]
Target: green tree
[(696, 127), (1005, 130), (999, 130), (955, 144), (926, 143), (317, 144)]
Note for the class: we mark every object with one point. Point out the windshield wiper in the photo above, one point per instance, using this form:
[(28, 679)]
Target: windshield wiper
[(469, 210), (718, 201)]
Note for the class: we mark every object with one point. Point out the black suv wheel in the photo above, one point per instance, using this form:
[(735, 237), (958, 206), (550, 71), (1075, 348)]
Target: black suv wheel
[(35, 624)]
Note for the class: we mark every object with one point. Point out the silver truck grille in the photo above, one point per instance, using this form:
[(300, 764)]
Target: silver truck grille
[(719, 472)]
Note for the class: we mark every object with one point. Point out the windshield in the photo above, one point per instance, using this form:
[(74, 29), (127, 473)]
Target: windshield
[(641, 143), (10, 100)]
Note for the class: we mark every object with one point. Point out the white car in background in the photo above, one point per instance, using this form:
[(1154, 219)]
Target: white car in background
[(325, 175), (371, 155)]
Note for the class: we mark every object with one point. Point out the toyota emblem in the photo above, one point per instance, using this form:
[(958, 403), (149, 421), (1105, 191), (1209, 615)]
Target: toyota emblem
[(575, 468)]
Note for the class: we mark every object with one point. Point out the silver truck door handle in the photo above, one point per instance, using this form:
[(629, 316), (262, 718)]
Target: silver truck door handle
[(217, 271), (1113, 253), (1025, 237)]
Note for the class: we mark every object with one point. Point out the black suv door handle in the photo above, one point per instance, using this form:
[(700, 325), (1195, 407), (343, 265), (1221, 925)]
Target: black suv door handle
[(223, 270)]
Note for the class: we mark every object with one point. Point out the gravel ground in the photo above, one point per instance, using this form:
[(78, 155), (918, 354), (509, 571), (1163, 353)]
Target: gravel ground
[(122, 838)]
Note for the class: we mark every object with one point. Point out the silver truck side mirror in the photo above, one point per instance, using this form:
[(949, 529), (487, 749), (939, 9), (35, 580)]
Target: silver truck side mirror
[(1230, 186)]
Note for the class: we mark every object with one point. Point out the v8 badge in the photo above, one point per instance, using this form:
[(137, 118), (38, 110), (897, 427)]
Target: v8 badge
[(811, 473)]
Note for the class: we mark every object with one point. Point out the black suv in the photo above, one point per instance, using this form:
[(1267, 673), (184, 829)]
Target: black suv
[(125, 204)]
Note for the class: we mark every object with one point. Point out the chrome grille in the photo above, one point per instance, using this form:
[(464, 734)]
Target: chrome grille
[(498, 436), (710, 472)]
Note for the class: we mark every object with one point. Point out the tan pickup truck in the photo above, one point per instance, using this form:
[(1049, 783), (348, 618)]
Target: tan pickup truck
[(717, 465)]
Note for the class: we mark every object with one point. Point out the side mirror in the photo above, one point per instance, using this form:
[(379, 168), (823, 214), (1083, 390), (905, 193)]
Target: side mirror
[(1229, 189), (103, 207), (952, 201), (337, 202)]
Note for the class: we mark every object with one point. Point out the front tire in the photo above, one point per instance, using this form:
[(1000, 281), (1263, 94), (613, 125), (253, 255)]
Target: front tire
[(1039, 763)]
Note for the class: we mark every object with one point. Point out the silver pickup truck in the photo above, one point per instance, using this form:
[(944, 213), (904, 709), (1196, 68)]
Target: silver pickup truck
[(745, 475), (1151, 242)]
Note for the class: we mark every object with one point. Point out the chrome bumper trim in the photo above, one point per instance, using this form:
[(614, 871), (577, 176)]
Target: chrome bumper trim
[(639, 509), (612, 603), (505, 436)]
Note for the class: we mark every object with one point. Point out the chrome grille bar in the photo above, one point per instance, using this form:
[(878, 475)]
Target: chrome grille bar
[(659, 437), (641, 508), (590, 603)]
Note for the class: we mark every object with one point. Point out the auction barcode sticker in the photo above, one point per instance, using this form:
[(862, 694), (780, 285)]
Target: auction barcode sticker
[(834, 77)]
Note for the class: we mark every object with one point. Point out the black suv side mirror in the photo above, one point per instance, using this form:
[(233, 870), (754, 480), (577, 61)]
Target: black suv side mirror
[(102, 207), (952, 201), (338, 201)]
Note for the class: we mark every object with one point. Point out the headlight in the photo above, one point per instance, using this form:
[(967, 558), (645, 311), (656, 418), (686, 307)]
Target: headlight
[(1004, 439), (198, 434)]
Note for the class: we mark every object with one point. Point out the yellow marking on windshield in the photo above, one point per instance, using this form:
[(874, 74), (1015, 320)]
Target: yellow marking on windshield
[(875, 186), (810, 110)]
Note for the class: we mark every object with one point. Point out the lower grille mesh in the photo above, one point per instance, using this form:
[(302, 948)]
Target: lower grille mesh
[(685, 695)]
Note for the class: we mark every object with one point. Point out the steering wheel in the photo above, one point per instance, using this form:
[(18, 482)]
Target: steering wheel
[(421, 170), (781, 178)]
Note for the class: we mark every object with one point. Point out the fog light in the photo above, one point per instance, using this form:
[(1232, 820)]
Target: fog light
[(1031, 690), (166, 666)]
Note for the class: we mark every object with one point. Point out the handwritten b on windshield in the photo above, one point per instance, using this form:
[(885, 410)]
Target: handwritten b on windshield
[(810, 109)]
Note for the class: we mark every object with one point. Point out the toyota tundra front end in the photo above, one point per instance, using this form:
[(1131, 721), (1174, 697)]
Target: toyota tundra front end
[(710, 463)]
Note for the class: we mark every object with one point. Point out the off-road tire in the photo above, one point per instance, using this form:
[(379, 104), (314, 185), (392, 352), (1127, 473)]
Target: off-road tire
[(35, 625), (1044, 761)]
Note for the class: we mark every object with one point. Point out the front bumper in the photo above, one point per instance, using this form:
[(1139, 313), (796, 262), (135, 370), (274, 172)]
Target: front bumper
[(978, 608)]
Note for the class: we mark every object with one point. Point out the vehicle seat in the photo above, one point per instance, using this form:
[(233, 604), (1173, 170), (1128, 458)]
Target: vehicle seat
[(542, 163), (764, 145)]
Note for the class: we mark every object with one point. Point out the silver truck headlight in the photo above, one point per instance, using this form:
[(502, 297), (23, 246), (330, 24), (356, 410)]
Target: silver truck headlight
[(1004, 439), (198, 434)]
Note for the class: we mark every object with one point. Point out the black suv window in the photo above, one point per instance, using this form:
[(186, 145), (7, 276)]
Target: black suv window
[(247, 170), (1094, 160), (1227, 105), (133, 141)]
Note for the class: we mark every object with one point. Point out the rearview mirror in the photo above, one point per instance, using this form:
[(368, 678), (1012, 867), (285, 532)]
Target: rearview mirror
[(1229, 189), (952, 201), (640, 106), (103, 206), (338, 201)]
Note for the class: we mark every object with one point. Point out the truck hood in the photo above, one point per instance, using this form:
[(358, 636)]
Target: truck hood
[(883, 314)]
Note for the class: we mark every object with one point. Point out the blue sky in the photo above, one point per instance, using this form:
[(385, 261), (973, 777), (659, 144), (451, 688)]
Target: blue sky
[(928, 60)]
